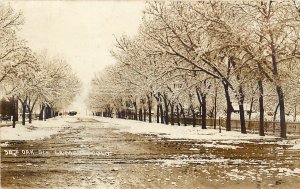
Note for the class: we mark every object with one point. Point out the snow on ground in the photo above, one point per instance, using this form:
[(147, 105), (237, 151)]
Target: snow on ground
[(214, 145), (186, 161), (296, 145), (234, 172), (181, 132), (36, 130)]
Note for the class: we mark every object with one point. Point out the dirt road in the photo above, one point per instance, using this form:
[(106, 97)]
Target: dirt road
[(87, 154)]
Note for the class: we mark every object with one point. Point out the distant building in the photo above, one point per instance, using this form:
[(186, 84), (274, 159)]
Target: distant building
[(6, 107)]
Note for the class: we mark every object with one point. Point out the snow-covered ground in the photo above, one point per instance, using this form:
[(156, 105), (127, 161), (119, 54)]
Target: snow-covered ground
[(179, 132), (191, 133), (36, 130), (225, 139)]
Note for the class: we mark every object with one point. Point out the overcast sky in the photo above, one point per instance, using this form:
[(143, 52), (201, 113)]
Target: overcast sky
[(81, 31)]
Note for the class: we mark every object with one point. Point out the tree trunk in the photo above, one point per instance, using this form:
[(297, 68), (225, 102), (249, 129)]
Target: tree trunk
[(203, 115), (41, 116), (251, 107), (242, 110), (24, 106), (278, 88), (274, 117), (157, 113), (149, 109), (140, 114), (275, 112), (261, 109), (229, 107), (183, 114), (177, 114), (150, 115), (166, 109), (161, 114), (203, 111), (48, 112), (30, 116), (194, 116), (281, 112), (14, 112), (295, 112), (215, 109), (135, 110), (145, 114), (51, 112), (172, 114)]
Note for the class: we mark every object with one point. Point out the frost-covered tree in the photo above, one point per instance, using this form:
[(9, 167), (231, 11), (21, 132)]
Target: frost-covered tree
[(275, 26), (245, 49), (59, 85), (15, 55)]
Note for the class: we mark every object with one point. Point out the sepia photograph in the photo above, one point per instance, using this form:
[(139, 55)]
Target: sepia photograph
[(134, 94)]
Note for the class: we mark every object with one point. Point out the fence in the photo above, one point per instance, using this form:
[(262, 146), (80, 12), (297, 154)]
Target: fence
[(8, 119), (5, 119), (271, 127)]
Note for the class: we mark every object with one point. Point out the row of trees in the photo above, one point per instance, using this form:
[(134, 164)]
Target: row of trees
[(32, 79), (203, 56)]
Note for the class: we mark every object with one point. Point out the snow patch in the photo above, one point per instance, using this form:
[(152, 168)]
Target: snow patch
[(295, 147), (220, 146), (34, 131), (174, 162), (180, 132), (5, 144)]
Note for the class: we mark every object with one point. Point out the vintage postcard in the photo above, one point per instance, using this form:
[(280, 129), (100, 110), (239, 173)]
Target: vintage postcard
[(150, 94)]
